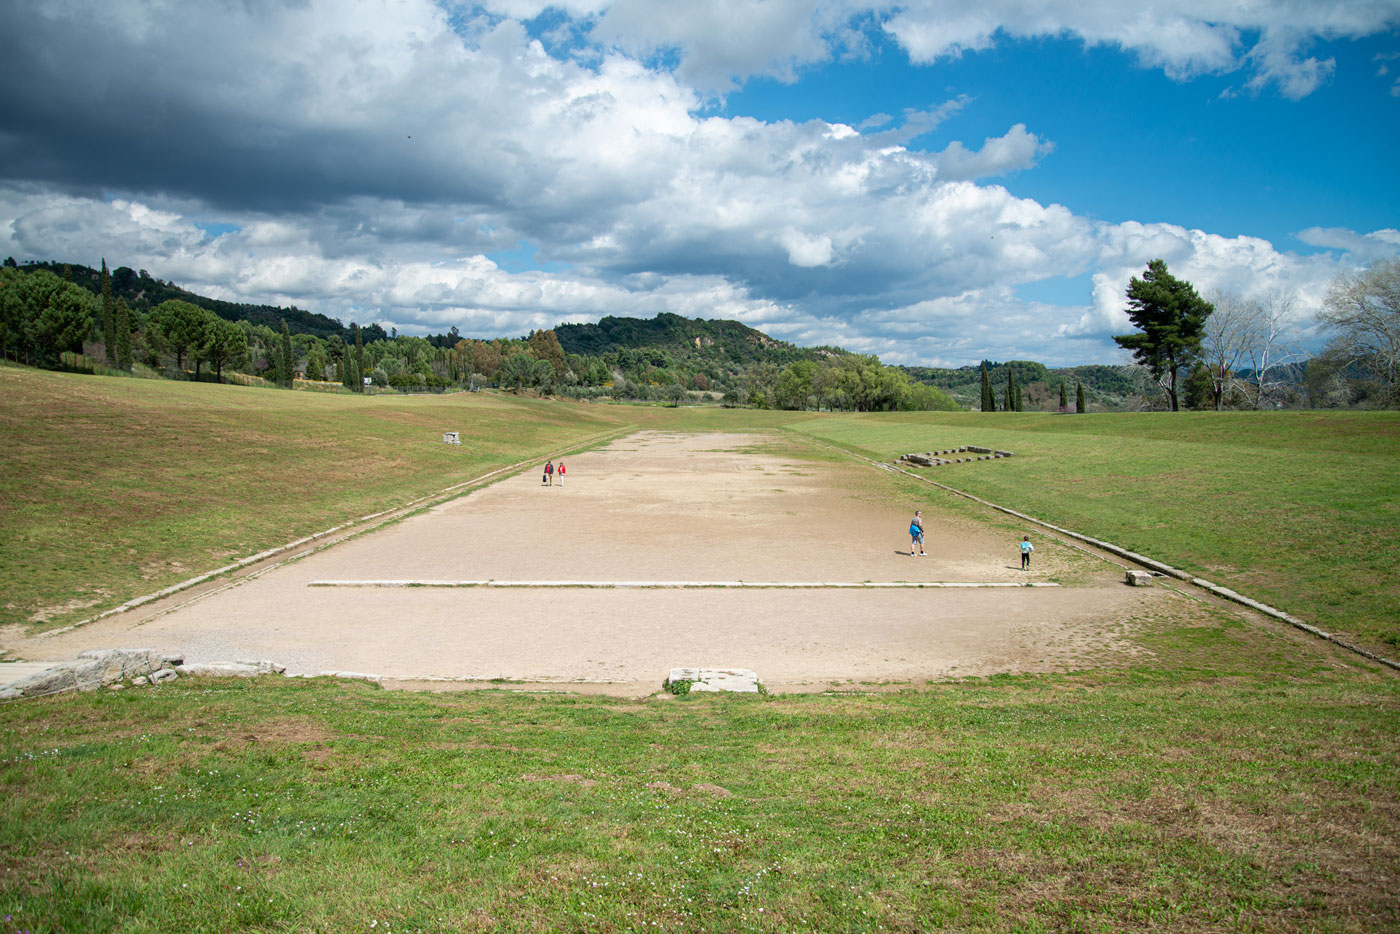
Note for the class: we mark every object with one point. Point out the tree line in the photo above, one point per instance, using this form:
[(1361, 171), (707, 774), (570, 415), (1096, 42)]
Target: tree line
[(43, 316), (1230, 351)]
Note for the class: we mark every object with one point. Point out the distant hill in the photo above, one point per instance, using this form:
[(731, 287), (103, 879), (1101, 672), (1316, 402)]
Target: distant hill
[(144, 293), (682, 339)]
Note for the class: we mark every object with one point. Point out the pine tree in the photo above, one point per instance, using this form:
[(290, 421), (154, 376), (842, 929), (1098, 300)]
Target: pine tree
[(989, 401), (108, 317), (1170, 318), (1079, 398), (1064, 405), (287, 363)]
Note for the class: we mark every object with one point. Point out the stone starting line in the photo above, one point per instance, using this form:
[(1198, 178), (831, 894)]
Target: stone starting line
[(684, 585)]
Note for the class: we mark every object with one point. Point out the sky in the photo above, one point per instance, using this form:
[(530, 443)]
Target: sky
[(935, 182)]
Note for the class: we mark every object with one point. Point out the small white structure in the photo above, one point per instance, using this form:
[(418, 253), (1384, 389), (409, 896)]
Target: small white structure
[(450, 437)]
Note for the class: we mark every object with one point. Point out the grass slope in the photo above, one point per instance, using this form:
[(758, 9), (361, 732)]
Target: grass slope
[(113, 488), (1233, 776), (1298, 509), (1245, 780)]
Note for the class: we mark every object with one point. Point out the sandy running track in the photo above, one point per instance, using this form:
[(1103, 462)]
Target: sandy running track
[(653, 507)]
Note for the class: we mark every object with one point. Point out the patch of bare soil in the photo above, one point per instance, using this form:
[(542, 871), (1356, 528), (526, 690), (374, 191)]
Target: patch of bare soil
[(657, 507)]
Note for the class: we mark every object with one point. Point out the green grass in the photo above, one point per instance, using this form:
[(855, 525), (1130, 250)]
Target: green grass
[(1298, 509), (1233, 777), (1245, 780)]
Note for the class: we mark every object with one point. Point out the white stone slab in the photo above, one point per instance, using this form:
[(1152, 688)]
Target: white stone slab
[(740, 680)]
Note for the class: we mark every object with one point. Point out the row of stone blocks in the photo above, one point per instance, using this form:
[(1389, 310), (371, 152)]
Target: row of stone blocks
[(934, 458), (117, 668)]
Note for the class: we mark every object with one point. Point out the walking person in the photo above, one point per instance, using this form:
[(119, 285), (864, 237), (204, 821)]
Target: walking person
[(548, 478), (1026, 549), (916, 535), (559, 472)]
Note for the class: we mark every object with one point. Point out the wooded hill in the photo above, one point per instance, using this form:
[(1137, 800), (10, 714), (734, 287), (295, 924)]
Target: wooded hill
[(143, 293)]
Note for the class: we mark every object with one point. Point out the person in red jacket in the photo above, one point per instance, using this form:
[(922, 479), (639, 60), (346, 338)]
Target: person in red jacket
[(559, 471), (548, 478)]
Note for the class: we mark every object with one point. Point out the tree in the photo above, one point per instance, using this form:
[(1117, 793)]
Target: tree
[(43, 314), (517, 371), (1170, 318), (1079, 398), (1064, 405), (109, 316), (1225, 341), (286, 362), (224, 344), (1010, 399), (1268, 350), (989, 400), (1363, 311), (123, 328), (316, 362), (177, 327), (794, 386)]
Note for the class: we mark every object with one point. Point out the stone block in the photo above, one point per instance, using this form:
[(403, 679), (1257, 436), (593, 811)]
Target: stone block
[(220, 670), (162, 675), (1140, 578), (715, 680)]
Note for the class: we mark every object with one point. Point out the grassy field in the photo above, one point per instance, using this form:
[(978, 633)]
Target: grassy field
[(1243, 781), (114, 488), (1235, 776), (1298, 509)]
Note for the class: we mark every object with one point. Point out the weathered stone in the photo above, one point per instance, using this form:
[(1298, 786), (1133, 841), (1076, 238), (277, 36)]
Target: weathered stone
[(715, 679), (263, 665), (55, 680), (221, 670), (162, 675), (1140, 578), (116, 686), (976, 450), (140, 682), (120, 664), (9, 693)]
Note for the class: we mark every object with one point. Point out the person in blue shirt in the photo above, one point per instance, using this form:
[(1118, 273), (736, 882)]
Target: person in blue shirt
[(1026, 549), (916, 533)]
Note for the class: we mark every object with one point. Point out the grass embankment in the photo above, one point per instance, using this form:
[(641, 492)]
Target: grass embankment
[(113, 488), (1298, 509), (1245, 781), (1235, 777)]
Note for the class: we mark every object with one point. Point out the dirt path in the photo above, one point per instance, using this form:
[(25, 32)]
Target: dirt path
[(655, 507)]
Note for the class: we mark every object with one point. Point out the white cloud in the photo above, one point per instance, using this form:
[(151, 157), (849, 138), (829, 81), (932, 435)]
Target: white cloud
[(368, 175), (1359, 248)]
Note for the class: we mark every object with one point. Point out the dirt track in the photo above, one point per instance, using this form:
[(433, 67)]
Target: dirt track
[(656, 507)]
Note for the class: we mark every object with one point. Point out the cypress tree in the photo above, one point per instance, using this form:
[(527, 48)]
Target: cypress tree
[(109, 317), (1063, 404), (989, 401), (358, 379), (1010, 391), (1079, 398), (287, 363), (123, 331), (1019, 407)]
